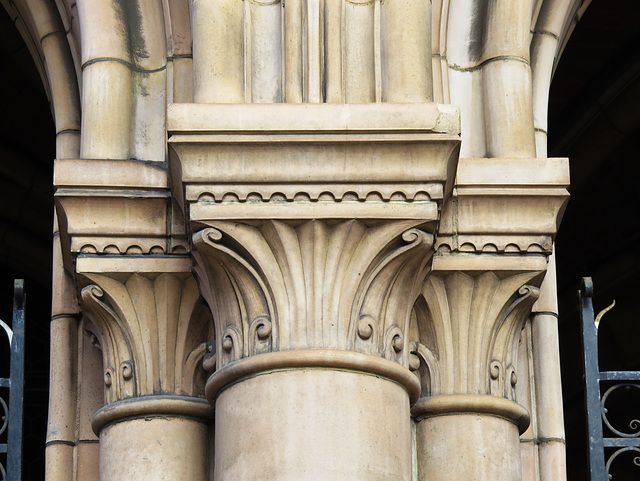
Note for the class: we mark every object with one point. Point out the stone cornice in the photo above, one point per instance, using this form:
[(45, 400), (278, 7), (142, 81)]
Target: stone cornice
[(509, 206), (117, 207), (311, 156)]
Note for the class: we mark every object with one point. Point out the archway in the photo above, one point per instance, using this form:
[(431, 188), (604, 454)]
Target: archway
[(27, 150), (593, 120)]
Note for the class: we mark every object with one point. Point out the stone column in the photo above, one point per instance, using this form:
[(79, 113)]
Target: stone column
[(548, 387), (61, 428), (491, 257), (313, 234), (312, 322), (152, 327)]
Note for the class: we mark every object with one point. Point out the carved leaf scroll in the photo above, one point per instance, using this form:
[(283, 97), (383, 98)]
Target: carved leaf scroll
[(472, 322), (152, 332), (275, 285)]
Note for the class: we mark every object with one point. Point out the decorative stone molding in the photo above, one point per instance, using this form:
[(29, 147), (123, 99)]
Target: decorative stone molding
[(316, 230), (151, 407), (338, 360), (117, 207), (151, 325), (277, 286), (511, 206)]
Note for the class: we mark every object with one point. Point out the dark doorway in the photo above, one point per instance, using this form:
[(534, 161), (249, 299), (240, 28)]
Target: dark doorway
[(27, 151), (594, 119)]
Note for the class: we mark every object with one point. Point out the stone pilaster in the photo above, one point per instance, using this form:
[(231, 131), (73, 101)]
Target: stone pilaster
[(313, 232), (492, 256)]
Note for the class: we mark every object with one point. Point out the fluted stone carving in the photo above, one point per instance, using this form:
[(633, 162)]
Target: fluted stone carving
[(309, 51), (152, 330), (278, 286), (472, 324)]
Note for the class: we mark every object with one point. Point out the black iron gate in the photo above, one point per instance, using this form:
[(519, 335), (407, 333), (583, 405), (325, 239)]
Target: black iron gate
[(603, 451), (11, 416)]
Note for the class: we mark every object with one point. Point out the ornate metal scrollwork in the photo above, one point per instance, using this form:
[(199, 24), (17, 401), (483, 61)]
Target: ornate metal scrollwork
[(618, 452), (634, 424), (4, 416), (605, 449)]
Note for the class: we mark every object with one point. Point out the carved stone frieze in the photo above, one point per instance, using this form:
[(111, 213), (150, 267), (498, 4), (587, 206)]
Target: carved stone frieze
[(152, 326)]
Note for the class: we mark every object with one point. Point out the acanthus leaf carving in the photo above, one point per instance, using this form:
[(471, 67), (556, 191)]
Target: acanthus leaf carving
[(152, 330), (474, 320), (506, 334), (112, 335), (276, 285), (389, 293), (425, 363), (240, 300)]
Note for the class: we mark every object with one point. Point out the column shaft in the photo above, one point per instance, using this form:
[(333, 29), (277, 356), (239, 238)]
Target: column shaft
[(313, 424)]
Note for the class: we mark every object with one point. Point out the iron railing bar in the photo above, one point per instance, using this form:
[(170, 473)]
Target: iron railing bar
[(620, 442), (16, 394), (4, 382), (620, 376), (598, 471)]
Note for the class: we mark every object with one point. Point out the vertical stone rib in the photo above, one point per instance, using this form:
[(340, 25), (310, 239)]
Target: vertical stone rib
[(148, 44), (544, 45), (315, 54), (359, 62), (506, 81), (293, 48), (218, 51), (546, 373), (63, 380), (62, 81), (107, 94), (333, 31), (406, 51), (266, 51)]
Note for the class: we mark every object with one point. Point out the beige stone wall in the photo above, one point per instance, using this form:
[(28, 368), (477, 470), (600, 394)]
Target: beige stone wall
[(327, 225)]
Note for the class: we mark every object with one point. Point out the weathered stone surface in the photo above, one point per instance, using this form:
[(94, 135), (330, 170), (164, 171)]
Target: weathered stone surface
[(270, 198)]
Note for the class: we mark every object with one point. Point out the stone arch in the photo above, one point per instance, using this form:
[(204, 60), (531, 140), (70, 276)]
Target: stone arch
[(50, 37)]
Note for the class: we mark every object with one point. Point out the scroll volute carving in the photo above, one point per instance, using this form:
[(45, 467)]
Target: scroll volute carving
[(283, 286), (152, 330), (468, 327)]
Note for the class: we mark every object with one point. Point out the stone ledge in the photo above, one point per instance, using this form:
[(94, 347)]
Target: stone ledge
[(316, 118)]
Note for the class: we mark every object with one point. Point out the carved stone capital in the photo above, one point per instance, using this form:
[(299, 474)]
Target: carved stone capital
[(469, 323), (278, 286), (150, 323), (496, 234), (313, 224)]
